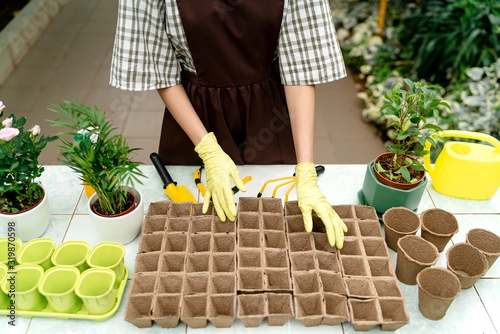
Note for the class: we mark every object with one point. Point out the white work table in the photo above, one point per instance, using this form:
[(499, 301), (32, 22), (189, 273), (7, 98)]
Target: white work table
[(476, 310)]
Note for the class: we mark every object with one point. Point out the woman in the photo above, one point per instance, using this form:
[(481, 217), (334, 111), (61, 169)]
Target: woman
[(238, 80)]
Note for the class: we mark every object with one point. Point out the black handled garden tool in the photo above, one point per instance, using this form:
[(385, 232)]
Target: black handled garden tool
[(175, 192)]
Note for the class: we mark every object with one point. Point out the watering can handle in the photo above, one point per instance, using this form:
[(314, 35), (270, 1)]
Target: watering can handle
[(459, 134)]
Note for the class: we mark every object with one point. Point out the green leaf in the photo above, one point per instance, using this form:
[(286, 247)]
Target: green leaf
[(379, 167), (405, 173), (410, 84)]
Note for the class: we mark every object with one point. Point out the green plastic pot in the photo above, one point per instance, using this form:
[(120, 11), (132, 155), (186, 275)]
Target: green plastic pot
[(96, 289), (4, 298), (58, 286), (24, 284), (383, 197), (72, 253), (9, 248), (37, 251), (108, 255)]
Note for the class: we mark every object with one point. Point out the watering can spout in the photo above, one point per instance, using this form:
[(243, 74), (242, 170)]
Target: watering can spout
[(466, 169)]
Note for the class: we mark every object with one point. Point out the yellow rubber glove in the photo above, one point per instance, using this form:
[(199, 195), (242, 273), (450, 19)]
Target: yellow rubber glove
[(219, 169), (311, 198)]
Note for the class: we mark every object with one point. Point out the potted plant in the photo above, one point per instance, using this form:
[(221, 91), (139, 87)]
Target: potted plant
[(24, 205), (397, 177), (102, 158)]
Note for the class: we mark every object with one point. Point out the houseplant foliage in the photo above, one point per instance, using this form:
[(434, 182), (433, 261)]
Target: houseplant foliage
[(100, 156), (410, 110), (19, 169)]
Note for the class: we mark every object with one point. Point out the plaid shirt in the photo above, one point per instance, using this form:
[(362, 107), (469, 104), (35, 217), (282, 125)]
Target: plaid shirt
[(151, 47)]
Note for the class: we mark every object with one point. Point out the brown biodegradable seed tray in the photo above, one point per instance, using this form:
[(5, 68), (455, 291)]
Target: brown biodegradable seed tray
[(222, 283), (387, 287), (138, 310), (353, 265), (199, 243), (172, 262), (309, 309), (169, 283), (276, 258), (295, 224), (336, 310), (292, 208), (166, 310), (303, 261), (394, 313), (223, 263), (274, 239), (370, 228), (360, 287), (365, 212), (344, 211), (195, 283), (375, 247), (198, 262), (154, 224), (249, 221), (365, 314), (147, 262), (380, 267), (197, 210), (249, 204), (180, 209), (351, 247), (300, 242), (273, 205), (249, 258), (175, 242), (158, 208), (277, 280), (328, 261), (352, 227), (248, 239), (222, 310), (250, 280), (279, 308), (143, 283), (180, 224), (201, 224), (321, 243), (194, 310), (318, 225), (273, 221), (251, 309), (332, 283), (150, 243), (223, 243), (219, 226), (305, 283)]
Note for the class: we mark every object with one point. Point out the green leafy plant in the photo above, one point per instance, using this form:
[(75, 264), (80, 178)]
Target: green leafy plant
[(19, 169), (98, 154), (410, 110)]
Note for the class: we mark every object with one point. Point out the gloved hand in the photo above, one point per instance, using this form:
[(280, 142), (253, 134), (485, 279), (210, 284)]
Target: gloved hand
[(311, 198), (219, 168)]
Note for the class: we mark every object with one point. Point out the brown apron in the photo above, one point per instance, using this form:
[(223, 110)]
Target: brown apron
[(237, 91)]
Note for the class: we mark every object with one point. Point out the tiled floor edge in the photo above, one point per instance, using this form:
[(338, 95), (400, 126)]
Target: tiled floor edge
[(23, 31)]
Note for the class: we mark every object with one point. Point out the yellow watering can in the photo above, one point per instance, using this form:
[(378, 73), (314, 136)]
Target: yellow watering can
[(463, 169)]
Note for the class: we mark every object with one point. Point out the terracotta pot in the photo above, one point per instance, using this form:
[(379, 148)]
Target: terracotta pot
[(467, 262), (390, 183), (487, 242), (414, 255), (438, 227), (437, 289), (398, 222)]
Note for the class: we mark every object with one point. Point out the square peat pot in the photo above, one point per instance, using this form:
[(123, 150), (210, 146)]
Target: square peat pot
[(383, 197)]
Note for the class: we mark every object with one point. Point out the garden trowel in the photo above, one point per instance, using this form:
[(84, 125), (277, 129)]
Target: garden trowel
[(175, 192)]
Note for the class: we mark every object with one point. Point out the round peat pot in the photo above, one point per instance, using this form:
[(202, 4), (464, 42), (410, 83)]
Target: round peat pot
[(437, 289), (37, 251), (95, 288), (487, 242), (398, 222), (467, 262), (72, 253), (9, 248), (58, 286), (24, 285), (438, 226), (4, 298), (108, 255), (414, 255)]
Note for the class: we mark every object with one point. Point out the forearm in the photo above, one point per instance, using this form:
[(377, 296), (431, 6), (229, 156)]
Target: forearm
[(301, 104), (180, 107)]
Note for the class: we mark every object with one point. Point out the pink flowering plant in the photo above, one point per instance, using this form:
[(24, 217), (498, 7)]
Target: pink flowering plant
[(19, 151)]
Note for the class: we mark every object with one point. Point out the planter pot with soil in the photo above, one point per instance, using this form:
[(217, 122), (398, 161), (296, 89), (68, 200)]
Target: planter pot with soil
[(384, 160)]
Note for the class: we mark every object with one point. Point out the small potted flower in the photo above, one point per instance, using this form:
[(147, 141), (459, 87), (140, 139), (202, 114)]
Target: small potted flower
[(102, 158), (24, 205)]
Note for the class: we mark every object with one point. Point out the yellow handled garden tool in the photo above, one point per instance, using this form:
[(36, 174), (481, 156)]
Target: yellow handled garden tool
[(175, 192)]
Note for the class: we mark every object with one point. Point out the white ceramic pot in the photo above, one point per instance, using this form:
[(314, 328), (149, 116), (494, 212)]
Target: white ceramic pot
[(122, 229), (29, 224)]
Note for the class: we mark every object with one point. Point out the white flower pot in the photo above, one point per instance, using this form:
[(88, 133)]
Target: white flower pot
[(122, 229), (29, 224)]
